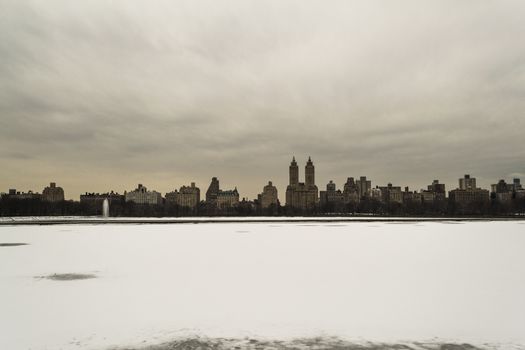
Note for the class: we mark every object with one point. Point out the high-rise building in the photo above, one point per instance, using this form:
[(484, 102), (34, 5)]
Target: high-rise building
[(410, 196), (517, 184), (331, 198), (187, 196), (269, 196), (502, 191), (391, 194), (375, 194), (502, 187), (141, 195), (364, 186), (437, 187), (468, 193), (351, 191), (294, 173), (434, 192), (298, 194), (467, 183), (213, 190), (519, 191), (52, 193), (309, 173)]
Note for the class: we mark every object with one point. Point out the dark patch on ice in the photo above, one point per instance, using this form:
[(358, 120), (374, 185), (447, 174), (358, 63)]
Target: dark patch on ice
[(68, 276), (456, 347), (12, 244), (317, 343)]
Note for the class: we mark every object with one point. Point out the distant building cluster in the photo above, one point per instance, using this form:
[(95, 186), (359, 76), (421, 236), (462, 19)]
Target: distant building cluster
[(50, 193), (356, 195)]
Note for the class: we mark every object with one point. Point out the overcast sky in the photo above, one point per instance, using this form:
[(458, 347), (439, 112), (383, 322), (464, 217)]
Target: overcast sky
[(102, 95)]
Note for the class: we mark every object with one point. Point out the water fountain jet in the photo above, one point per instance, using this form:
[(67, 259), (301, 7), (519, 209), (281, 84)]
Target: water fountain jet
[(105, 208)]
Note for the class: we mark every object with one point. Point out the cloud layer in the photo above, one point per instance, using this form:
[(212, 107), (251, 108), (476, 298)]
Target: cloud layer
[(102, 95)]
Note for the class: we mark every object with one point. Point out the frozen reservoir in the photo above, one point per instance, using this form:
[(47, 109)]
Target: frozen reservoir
[(105, 286)]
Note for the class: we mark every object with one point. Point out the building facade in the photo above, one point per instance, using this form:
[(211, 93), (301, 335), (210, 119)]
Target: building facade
[(331, 199), (351, 192), (517, 184), (268, 197), (298, 194), (187, 196), (219, 198), (468, 193), (466, 197), (434, 192), (213, 191), (467, 183), (14, 194), (391, 194), (141, 195), (503, 192), (228, 198), (364, 187), (52, 193), (411, 196)]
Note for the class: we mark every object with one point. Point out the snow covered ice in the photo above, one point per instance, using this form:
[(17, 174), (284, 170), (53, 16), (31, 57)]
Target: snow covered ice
[(460, 282)]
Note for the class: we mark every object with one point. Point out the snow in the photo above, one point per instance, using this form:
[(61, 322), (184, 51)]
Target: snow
[(384, 281)]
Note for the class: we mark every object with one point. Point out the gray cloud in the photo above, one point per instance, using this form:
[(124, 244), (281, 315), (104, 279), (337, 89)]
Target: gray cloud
[(100, 96)]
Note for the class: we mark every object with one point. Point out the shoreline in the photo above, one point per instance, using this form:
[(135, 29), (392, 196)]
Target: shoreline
[(24, 220)]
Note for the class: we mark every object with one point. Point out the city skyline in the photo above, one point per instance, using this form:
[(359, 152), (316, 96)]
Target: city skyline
[(294, 178), (98, 96)]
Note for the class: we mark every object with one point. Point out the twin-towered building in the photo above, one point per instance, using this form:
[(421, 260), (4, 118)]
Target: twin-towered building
[(302, 195)]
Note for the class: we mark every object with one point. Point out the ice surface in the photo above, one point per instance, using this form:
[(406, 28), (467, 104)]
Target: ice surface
[(359, 281)]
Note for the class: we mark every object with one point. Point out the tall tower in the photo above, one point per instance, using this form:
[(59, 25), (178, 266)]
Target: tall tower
[(294, 172), (467, 183), (213, 190), (309, 173)]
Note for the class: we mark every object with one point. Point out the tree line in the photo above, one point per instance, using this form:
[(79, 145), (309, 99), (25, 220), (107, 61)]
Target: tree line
[(367, 206)]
